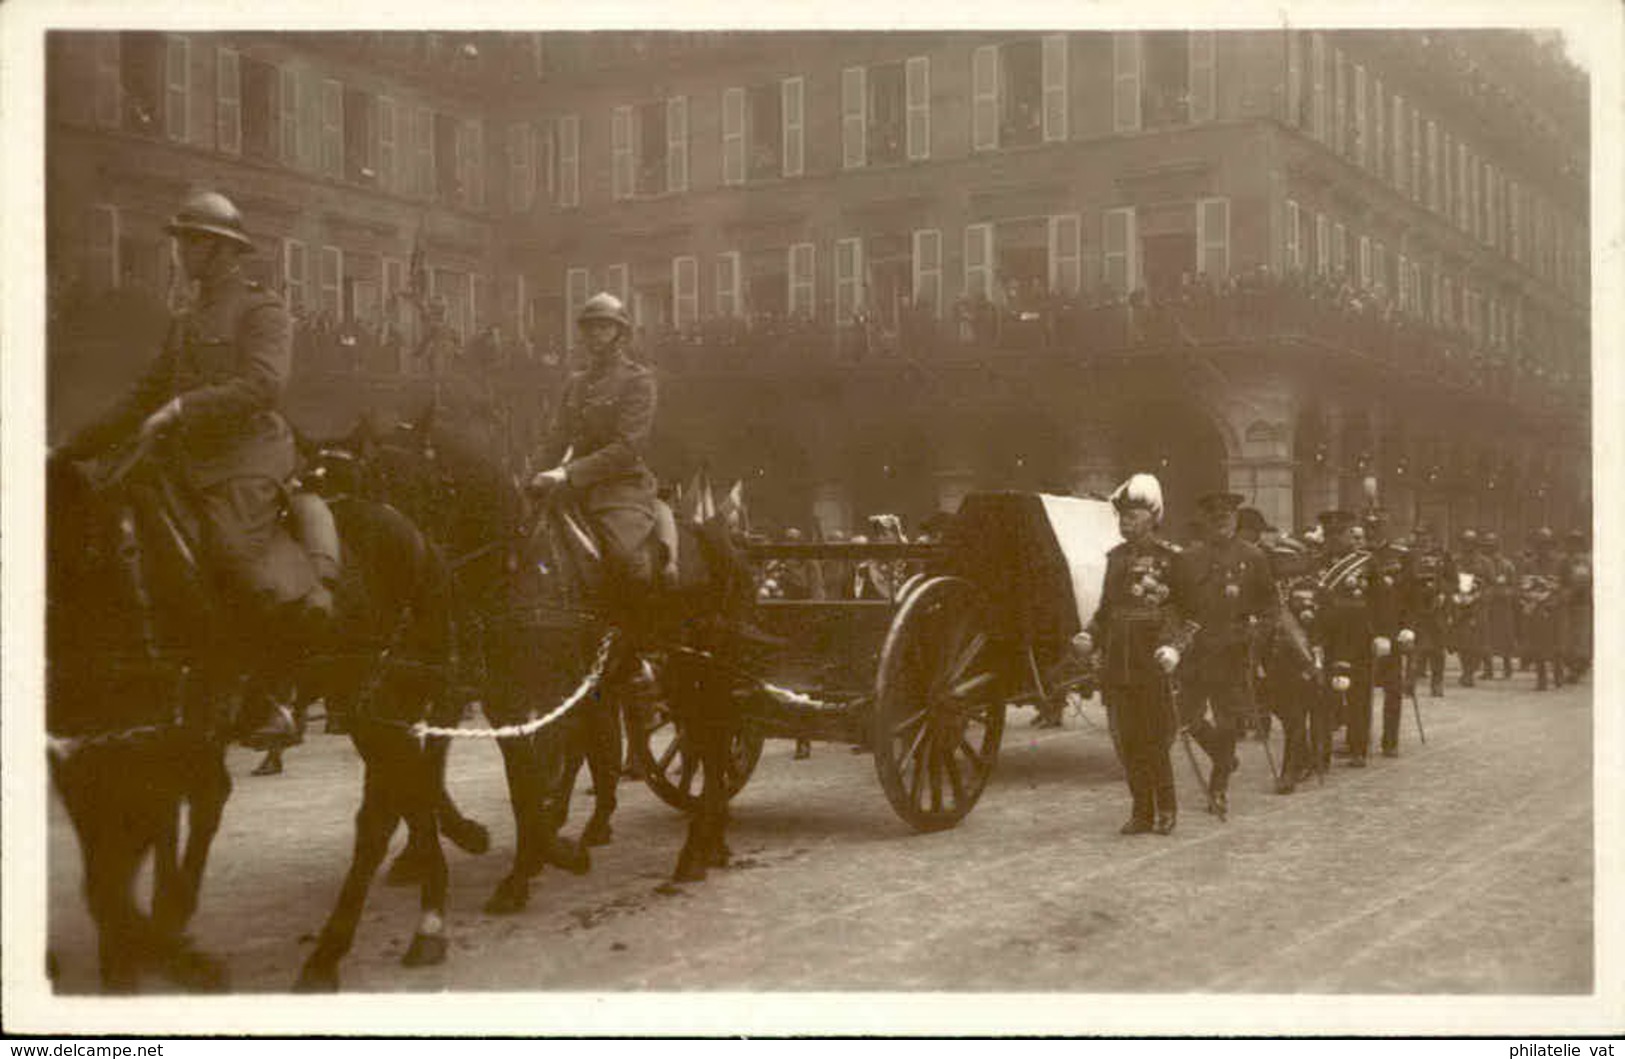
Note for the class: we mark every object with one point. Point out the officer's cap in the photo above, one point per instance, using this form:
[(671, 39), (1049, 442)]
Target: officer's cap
[(1336, 521), (1220, 503)]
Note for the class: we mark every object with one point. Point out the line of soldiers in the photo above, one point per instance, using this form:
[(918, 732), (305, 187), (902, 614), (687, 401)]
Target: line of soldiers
[(1196, 643)]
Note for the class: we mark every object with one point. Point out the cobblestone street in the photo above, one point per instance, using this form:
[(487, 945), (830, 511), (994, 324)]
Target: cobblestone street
[(1465, 866)]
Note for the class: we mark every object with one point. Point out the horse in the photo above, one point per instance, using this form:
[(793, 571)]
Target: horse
[(530, 595), (140, 667)]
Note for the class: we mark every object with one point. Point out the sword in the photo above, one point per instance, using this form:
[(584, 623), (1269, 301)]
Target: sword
[(1416, 705), (1185, 737)]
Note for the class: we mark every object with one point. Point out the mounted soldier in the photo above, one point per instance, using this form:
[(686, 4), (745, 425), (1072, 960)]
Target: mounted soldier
[(211, 408), (1138, 629)]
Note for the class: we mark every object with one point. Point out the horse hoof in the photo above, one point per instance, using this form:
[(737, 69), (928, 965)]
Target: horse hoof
[(690, 868), (268, 767), (317, 979), (510, 897), (596, 833), (407, 870), (722, 856), (569, 856), (468, 836), (426, 950)]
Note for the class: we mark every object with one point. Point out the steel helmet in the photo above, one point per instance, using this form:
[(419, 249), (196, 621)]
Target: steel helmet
[(210, 213), (604, 306)]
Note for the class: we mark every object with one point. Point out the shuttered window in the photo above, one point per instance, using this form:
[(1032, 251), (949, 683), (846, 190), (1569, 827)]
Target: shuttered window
[(1294, 236), (848, 279), (685, 292), (1294, 77), (332, 148), (520, 184), (423, 152), (733, 136), (927, 268), (792, 92), (289, 114), (1125, 82), (570, 160), (177, 87), (985, 98), (332, 283), (1065, 265), (854, 118), (677, 143), (228, 102), (293, 273), (388, 158), (1055, 87), (1400, 162), (802, 287), (575, 296), (1318, 98), (620, 152), (1323, 245), (979, 261), (617, 280), (1213, 238), (728, 302), (1203, 70), (1119, 250), (1362, 119), (918, 103)]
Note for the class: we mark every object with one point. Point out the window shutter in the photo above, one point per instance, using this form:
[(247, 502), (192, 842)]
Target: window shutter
[(177, 87), (1055, 87), (1294, 236), (733, 136), (1294, 76), (1203, 81), (1125, 82), (979, 260), (1119, 265), (1340, 102), (617, 280), (575, 296), (917, 78), (620, 153), (474, 182), (854, 118), (288, 116), (1340, 250), (520, 184), (728, 303), (332, 141), (792, 91), (228, 112), (1362, 117), (388, 179), (803, 291), (570, 160), (677, 143), (1323, 245), (685, 288), (985, 98), (1317, 62), (848, 279), (1399, 164), (1213, 238), (293, 272), (1379, 130), (1065, 273), (927, 267), (332, 282)]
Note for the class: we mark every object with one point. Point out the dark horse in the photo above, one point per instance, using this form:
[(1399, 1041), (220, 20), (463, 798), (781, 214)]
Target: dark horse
[(530, 629), (140, 661)]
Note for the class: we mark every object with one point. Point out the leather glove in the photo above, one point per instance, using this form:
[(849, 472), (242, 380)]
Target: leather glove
[(1083, 645), (1406, 639), (1382, 647), (162, 419), (1167, 658), (547, 481)]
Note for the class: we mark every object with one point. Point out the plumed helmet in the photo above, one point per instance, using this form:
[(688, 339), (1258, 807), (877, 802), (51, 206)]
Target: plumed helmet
[(1141, 490), (604, 306), (210, 213)]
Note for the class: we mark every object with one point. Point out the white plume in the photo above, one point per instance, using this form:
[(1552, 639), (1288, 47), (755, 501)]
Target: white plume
[(1141, 489)]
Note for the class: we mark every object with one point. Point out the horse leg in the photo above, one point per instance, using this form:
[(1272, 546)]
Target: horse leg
[(375, 824), (421, 796), (524, 793), (112, 854), (177, 887), (603, 737), (466, 834)]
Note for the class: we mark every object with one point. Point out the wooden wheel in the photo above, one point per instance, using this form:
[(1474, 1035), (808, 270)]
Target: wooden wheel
[(674, 774), (939, 704)]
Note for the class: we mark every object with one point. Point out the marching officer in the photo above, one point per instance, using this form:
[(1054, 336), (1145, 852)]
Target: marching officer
[(1433, 576), (1393, 594), (1577, 605), (1539, 587), (212, 404), (1468, 607), (1229, 601), (1345, 632), (1138, 630), (1291, 671), (1501, 606)]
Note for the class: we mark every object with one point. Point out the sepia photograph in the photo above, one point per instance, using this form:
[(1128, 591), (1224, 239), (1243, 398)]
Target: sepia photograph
[(942, 523)]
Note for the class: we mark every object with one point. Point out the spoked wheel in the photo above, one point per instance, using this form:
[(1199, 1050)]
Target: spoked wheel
[(939, 705), (670, 770)]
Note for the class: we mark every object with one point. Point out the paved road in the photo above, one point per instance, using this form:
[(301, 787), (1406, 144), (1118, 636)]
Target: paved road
[(1463, 867)]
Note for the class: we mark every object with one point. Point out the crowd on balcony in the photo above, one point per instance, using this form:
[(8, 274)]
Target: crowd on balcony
[(1026, 314)]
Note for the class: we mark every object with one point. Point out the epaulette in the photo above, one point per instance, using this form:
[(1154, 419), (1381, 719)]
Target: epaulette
[(1169, 546)]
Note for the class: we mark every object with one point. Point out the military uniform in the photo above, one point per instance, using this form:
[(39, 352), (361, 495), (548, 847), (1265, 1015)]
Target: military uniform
[(1539, 611), (1433, 576), (1469, 606), (1395, 594), (1290, 682), (1344, 634), (227, 361), (1138, 614), (1500, 607), (1228, 596), (1577, 606), (604, 421)]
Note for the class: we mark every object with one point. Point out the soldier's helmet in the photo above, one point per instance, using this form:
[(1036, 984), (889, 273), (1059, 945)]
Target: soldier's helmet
[(1543, 537), (210, 213), (1469, 538), (1490, 539), (605, 306)]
